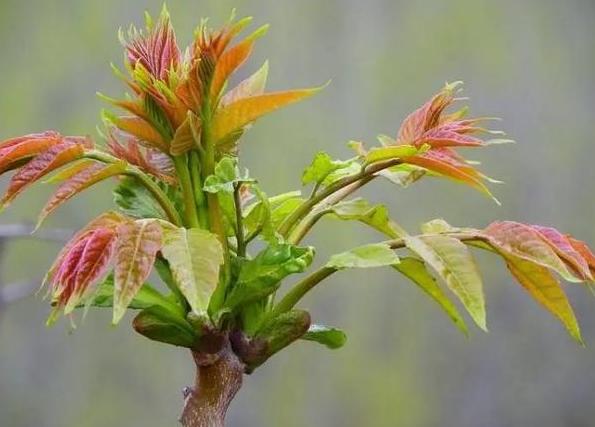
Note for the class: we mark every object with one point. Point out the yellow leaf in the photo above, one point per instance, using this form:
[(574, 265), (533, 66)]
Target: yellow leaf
[(546, 290)]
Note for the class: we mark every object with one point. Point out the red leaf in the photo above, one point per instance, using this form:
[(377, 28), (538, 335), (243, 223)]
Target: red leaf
[(427, 116), (449, 136), (52, 159), (563, 247), (157, 50), (109, 220), (523, 241), (147, 159)]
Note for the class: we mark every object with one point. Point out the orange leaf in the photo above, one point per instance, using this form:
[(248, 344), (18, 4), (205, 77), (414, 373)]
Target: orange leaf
[(137, 246), (52, 159), (25, 147), (443, 163), (183, 139), (228, 63), (243, 112), (582, 248), (546, 290), (141, 129), (79, 182)]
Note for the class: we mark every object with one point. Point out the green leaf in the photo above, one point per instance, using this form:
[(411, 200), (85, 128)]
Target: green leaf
[(159, 324), (392, 152), (135, 200), (454, 264), (227, 174), (331, 337), (403, 174), (360, 210), (262, 275), (321, 167), (146, 297), (438, 226), (415, 270), (272, 209), (367, 256), (194, 256)]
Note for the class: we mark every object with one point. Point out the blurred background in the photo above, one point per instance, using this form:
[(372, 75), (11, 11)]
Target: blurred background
[(531, 63)]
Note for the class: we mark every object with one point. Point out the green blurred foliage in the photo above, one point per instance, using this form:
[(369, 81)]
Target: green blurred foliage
[(529, 62)]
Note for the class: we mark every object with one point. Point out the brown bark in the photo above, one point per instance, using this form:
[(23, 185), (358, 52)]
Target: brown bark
[(218, 379)]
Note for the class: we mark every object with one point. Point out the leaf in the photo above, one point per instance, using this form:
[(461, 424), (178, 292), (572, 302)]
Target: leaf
[(194, 256), (135, 200), (138, 244), (253, 85), (440, 161), (243, 112), (367, 256), (146, 297), (108, 220), (268, 213), (522, 241), (438, 226), (415, 270), (546, 290), (69, 171), (54, 158), (79, 182), (139, 128), (563, 247), (392, 152), (454, 264), (226, 175), (321, 167), (262, 275), (360, 210), (184, 138), (93, 263), (18, 149), (228, 63), (159, 324), (330, 337)]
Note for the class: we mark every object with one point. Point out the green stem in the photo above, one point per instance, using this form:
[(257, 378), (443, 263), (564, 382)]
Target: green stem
[(303, 227), (241, 251), (190, 213), (145, 180), (299, 290), (201, 200), (368, 172), (303, 287)]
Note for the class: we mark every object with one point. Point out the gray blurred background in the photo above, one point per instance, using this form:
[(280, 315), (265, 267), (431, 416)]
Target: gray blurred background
[(530, 62)]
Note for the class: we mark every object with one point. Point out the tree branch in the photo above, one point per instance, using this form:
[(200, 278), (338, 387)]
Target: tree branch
[(366, 175)]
